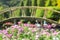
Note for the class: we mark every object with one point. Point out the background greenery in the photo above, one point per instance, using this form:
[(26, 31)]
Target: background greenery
[(39, 12)]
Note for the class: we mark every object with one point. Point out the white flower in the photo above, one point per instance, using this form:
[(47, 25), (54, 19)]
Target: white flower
[(28, 33), (30, 28), (23, 39), (37, 36), (55, 38), (53, 25), (38, 25)]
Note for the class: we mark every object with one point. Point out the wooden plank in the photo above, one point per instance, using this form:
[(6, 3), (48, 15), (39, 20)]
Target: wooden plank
[(14, 8), (33, 18)]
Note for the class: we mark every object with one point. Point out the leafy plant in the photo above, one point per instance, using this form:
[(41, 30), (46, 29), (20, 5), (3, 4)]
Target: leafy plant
[(1, 37), (33, 2), (38, 2), (58, 3), (39, 12), (49, 14), (25, 2), (47, 2), (16, 13)]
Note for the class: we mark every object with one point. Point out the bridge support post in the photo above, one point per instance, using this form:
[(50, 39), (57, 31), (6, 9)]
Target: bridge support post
[(41, 23), (14, 21)]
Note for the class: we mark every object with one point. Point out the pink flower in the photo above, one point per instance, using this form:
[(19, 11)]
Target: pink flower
[(32, 25), (43, 33), (8, 23), (30, 28), (20, 29), (15, 26), (33, 31), (52, 30), (55, 33), (19, 23), (44, 30), (9, 35), (47, 33), (49, 26), (0, 31), (4, 31), (27, 25)]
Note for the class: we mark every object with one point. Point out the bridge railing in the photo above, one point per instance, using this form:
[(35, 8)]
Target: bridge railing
[(26, 11)]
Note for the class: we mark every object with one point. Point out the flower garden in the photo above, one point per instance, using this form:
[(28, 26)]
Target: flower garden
[(29, 31), (29, 19)]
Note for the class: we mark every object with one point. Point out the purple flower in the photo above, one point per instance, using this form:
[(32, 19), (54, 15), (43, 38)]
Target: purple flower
[(8, 23), (20, 29), (19, 23), (47, 33), (33, 31), (15, 26), (55, 33), (4, 31), (0, 31), (32, 25), (49, 26), (26, 25), (9, 35), (52, 30)]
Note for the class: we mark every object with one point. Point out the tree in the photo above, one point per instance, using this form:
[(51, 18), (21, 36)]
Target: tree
[(54, 3), (58, 3)]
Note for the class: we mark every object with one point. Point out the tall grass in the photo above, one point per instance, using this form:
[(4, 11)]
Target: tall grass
[(47, 2), (39, 12), (15, 13), (49, 14)]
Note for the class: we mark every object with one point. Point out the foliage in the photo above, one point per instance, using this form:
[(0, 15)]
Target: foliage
[(49, 14), (33, 2), (38, 2), (47, 3), (30, 31), (58, 3), (39, 13), (9, 3), (25, 2), (16, 13), (54, 2), (1, 8), (1, 37)]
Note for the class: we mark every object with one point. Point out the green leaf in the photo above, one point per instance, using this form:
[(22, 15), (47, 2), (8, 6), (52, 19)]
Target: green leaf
[(25, 2), (1, 37), (1, 8), (38, 2), (47, 3), (16, 13), (33, 2), (39, 13), (49, 14)]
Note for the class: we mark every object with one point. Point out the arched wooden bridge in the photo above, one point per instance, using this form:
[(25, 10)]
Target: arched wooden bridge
[(11, 14)]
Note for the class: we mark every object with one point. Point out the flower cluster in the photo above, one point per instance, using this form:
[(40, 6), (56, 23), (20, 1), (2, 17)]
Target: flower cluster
[(25, 31)]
